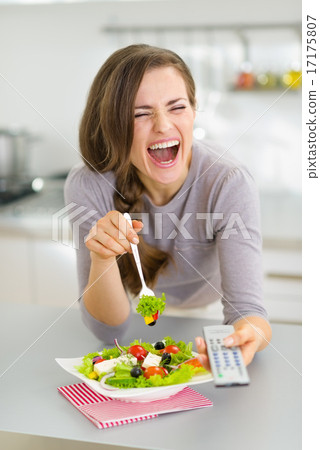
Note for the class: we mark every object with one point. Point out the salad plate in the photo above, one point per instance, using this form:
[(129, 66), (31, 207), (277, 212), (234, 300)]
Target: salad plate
[(131, 395), (140, 372)]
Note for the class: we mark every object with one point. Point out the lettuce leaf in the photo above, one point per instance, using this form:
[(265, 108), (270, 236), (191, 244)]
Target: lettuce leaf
[(121, 379), (87, 367), (110, 353), (149, 305), (178, 358)]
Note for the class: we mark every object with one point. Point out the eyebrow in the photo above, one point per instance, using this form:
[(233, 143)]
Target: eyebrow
[(170, 102)]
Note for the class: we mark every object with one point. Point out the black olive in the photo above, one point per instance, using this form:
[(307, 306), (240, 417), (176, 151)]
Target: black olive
[(166, 358), (152, 323), (159, 345), (136, 372)]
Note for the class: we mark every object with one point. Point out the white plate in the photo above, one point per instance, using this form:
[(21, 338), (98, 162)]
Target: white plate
[(130, 395)]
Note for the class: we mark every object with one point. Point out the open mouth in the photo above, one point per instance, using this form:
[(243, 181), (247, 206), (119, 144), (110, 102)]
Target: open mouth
[(164, 152)]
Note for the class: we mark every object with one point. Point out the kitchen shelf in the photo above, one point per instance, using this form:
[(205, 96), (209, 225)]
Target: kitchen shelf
[(203, 28), (262, 90)]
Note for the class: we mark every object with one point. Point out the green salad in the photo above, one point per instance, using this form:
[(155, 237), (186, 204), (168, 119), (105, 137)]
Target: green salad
[(150, 307), (142, 364)]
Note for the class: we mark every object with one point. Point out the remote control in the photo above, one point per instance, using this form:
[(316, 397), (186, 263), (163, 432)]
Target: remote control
[(226, 362)]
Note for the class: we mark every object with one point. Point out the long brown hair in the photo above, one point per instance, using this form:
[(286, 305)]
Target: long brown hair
[(106, 134)]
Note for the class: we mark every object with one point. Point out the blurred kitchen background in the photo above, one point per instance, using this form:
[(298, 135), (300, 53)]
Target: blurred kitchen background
[(244, 56)]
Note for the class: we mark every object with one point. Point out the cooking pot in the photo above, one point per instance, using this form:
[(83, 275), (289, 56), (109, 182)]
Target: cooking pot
[(13, 153)]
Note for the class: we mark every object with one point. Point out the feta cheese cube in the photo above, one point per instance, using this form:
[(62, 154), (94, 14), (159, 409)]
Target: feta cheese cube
[(127, 359), (105, 366), (151, 360), (108, 365)]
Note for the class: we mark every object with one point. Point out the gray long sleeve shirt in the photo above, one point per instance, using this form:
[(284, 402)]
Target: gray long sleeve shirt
[(211, 227)]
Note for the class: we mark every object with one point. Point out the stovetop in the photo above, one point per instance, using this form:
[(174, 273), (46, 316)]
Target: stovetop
[(12, 190), (11, 196)]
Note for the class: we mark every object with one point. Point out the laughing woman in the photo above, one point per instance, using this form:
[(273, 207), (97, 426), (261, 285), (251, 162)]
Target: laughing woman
[(200, 242)]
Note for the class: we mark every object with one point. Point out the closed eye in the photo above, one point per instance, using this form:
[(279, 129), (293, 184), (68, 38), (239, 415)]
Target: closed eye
[(141, 115), (176, 108)]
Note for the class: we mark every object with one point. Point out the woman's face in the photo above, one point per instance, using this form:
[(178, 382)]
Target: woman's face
[(163, 128)]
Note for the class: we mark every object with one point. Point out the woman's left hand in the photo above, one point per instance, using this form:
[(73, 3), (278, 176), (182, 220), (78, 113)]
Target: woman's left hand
[(248, 336)]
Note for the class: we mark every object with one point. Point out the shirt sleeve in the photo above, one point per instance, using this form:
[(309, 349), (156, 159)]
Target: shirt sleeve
[(88, 197), (239, 243)]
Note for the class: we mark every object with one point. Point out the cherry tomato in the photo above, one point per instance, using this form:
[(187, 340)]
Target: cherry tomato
[(194, 362), (171, 349), (154, 370), (165, 371), (139, 352)]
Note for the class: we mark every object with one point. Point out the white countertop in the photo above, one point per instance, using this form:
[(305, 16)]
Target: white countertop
[(32, 215), (268, 411)]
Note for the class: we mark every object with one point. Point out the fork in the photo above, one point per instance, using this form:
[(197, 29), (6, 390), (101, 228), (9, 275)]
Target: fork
[(145, 290)]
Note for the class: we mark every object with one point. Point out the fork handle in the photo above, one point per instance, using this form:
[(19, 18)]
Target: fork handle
[(135, 252)]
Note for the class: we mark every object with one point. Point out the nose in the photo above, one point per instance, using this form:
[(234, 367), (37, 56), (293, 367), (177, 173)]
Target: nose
[(161, 122)]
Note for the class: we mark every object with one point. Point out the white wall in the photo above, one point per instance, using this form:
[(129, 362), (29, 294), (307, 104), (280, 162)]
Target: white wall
[(50, 54)]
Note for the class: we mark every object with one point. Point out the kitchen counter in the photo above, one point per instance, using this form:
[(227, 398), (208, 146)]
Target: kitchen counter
[(31, 216), (265, 415)]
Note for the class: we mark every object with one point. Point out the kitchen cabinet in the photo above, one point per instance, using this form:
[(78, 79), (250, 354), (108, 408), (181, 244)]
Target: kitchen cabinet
[(16, 268), (55, 273), (283, 284), (38, 271)]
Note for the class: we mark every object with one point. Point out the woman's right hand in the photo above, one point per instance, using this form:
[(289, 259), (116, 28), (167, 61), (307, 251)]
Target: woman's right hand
[(111, 236)]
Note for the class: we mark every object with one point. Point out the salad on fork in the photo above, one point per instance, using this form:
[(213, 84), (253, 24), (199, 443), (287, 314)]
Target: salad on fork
[(149, 305)]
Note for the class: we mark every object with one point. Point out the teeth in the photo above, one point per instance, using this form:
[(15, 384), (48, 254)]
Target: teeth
[(166, 162), (164, 145)]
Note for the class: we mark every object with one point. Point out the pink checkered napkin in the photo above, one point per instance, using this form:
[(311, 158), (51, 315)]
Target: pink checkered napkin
[(105, 412)]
